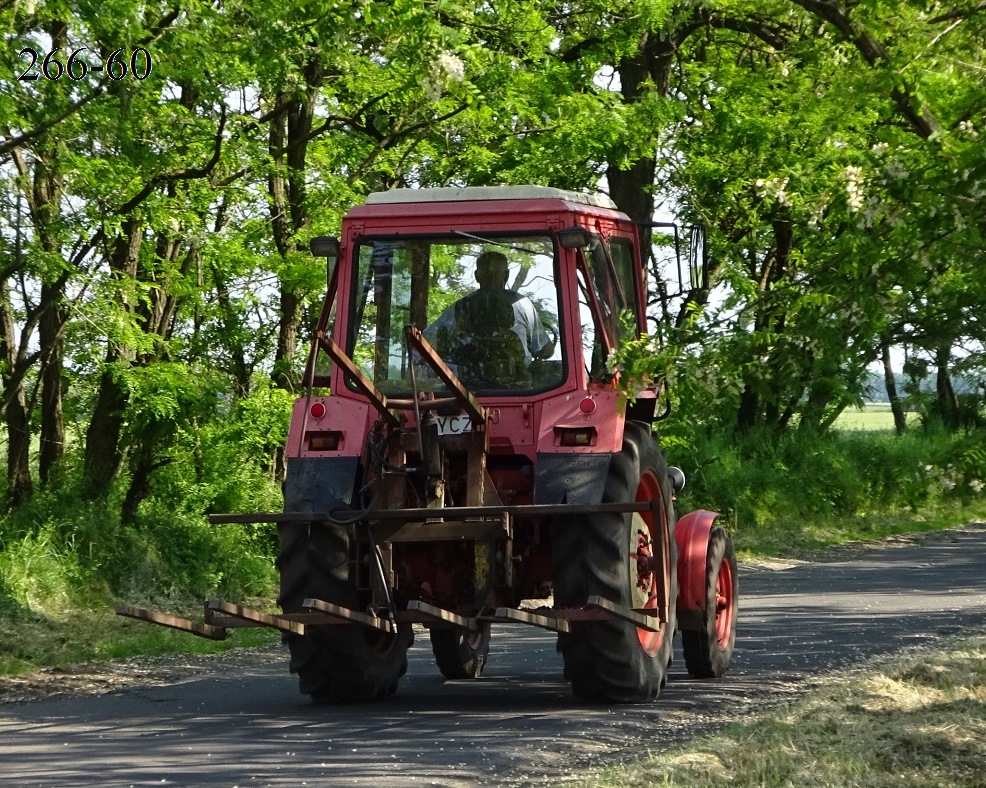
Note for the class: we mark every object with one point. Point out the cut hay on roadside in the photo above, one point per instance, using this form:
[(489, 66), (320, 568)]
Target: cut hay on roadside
[(918, 719)]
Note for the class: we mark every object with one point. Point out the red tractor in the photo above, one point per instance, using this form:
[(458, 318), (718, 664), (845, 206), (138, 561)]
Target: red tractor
[(460, 450)]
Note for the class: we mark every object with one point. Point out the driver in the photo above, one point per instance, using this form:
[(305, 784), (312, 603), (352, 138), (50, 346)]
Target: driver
[(483, 308)]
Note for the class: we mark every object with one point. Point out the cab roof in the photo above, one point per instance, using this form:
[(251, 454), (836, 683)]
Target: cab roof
[(487, 193)]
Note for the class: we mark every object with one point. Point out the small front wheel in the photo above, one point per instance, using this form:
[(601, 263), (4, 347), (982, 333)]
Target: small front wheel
[(709, 650), (460, 654)]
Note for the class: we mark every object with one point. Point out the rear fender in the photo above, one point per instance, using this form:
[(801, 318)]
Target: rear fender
[(692, 535)]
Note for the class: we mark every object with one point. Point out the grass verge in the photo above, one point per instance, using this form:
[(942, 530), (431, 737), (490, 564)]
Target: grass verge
[(917, 719), (29, 643), (787, 537)]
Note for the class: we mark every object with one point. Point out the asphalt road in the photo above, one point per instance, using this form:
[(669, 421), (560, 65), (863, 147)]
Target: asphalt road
[(518, 725)]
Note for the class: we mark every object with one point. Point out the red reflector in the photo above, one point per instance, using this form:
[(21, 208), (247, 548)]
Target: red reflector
[(576, 436), (587, 406), (317, 410), (324, 441)]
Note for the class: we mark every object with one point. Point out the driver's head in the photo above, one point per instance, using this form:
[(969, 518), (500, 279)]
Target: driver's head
[(492, 270)]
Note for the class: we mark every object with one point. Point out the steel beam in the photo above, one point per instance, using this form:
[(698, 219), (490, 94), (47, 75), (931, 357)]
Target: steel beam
[(429, 613), (209, 631), (345, 615), (505, 615), (265, 619), (643, 621)]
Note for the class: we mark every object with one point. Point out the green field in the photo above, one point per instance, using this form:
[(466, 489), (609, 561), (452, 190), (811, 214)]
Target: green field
[(872, 416)]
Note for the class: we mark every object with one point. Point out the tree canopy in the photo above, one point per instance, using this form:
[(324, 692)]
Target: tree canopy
[(155, 214)]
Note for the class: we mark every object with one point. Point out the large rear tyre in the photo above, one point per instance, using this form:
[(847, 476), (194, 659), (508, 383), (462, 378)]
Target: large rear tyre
[(346, 662), (709, 650), (460, 654), (618, 557)]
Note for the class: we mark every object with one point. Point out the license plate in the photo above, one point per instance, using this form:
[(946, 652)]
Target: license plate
[(453, 425)]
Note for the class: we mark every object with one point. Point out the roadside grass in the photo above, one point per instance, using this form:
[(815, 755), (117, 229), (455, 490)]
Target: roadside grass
[(799, 492), (30, 643), (66, 563), (915, 719), (792, 538)]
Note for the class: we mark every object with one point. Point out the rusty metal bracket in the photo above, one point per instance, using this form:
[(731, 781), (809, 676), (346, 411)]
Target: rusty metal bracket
[(377, 398), (208, 631), (416, 341), (511, 615), (345, 615), (424, 613)]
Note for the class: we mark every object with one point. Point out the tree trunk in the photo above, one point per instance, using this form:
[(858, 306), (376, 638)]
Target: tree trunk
[(632, 189), (103, 456), (896, 406), (290, 134), (140, 481), (948, 404), (18, 422), (45, 206), (747, 415), (51, 323), (16, 413)]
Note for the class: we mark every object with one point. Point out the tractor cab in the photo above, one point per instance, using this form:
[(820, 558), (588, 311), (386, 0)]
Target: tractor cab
[(571, 269), (414, 311)]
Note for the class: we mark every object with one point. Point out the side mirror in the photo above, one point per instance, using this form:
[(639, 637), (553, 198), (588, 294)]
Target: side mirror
[(324, 246), (573, 237)]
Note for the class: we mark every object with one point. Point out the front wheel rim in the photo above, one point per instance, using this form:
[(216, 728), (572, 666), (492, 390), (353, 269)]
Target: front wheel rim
[(724, 604)]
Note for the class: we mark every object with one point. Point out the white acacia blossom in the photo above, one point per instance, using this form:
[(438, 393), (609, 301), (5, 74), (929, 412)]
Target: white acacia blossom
[(853, 178), (447, 69), (774, 188)]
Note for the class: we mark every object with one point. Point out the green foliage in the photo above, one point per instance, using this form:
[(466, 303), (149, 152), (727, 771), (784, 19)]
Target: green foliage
[(62, 552), (153, 235), (803, 490)]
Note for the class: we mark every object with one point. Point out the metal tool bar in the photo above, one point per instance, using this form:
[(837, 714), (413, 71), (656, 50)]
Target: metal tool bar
[(377, 398), (416, 341), (650, 623), (506, 615), (447, 512), (445, 531), (266, 619), (210, 631), (431, 613), (346, 615), (309, 619)]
